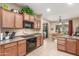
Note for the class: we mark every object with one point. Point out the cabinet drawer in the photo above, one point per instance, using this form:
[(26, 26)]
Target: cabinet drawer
[(62, 42), (61, 47), (10, 44)]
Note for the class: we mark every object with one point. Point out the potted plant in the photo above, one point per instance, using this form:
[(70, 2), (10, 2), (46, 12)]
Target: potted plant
[(5, 6), (27, 9)]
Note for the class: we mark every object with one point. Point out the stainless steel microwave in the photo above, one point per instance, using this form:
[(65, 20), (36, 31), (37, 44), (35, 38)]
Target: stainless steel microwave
[(27, 24)]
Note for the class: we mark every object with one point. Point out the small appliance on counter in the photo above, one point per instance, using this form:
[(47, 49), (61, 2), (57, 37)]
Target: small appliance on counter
[(8, 35), (12, 35)]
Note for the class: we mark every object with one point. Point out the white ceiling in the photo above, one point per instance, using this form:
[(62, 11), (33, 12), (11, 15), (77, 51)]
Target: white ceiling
[(57, 9)]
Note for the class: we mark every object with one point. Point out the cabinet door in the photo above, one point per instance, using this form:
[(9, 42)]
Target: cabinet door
[(39, 24), (22, 48), (18, 21), (32, 18), (42, 39), (26, 17), (1, 51), (71, 46), (35, 24), (7, 19), (77, 47), (38, 41), (10, 49)]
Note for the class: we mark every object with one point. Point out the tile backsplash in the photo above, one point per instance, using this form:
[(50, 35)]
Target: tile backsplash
[(21, 31)]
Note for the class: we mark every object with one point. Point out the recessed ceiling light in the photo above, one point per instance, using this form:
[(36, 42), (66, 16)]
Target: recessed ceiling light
[(48, 9)]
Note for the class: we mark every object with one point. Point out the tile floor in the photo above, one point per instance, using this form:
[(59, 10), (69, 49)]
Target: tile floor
[(49, 48)]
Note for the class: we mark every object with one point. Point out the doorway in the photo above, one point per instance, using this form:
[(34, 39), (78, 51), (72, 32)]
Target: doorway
[(45, 30)]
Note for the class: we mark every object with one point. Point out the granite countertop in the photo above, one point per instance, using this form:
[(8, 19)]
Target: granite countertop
[(17, 38), (70, 37)]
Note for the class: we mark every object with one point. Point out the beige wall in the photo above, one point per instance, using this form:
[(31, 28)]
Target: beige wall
[(53, 26)]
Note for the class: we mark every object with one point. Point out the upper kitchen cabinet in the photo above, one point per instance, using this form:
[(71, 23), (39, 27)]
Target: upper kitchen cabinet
[(26, 17), (7, 19), (18, 21), (37, 23), (31, 18)]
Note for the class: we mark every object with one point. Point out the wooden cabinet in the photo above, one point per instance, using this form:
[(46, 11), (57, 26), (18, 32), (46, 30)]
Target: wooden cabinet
[(71, 46), (35, 24), (61, 44), (1, 53), (42, 39), (10, 19), (18, 21), (31, 18), (26, 17), (39, 24), (22, 48), (61, 47), (61, 41), (7, 19), (10, 49), (38, 41), (78, 47)]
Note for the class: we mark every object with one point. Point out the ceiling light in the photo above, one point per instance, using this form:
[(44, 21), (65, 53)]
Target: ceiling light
[(48, 9)]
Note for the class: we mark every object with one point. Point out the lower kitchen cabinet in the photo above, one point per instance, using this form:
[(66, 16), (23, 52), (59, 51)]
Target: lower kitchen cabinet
[(18, 48), (71, 46), (78, 47), (61, 47), (38, 41), (61, 44), (10, 49), (22, 48), (42, 39), (61, 41), (1, 51)]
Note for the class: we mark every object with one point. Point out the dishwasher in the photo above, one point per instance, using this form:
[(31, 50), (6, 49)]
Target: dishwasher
[(31, 44)]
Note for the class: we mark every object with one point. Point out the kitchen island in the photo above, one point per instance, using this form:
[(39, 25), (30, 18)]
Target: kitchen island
[(69, 44), (18, 46)]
